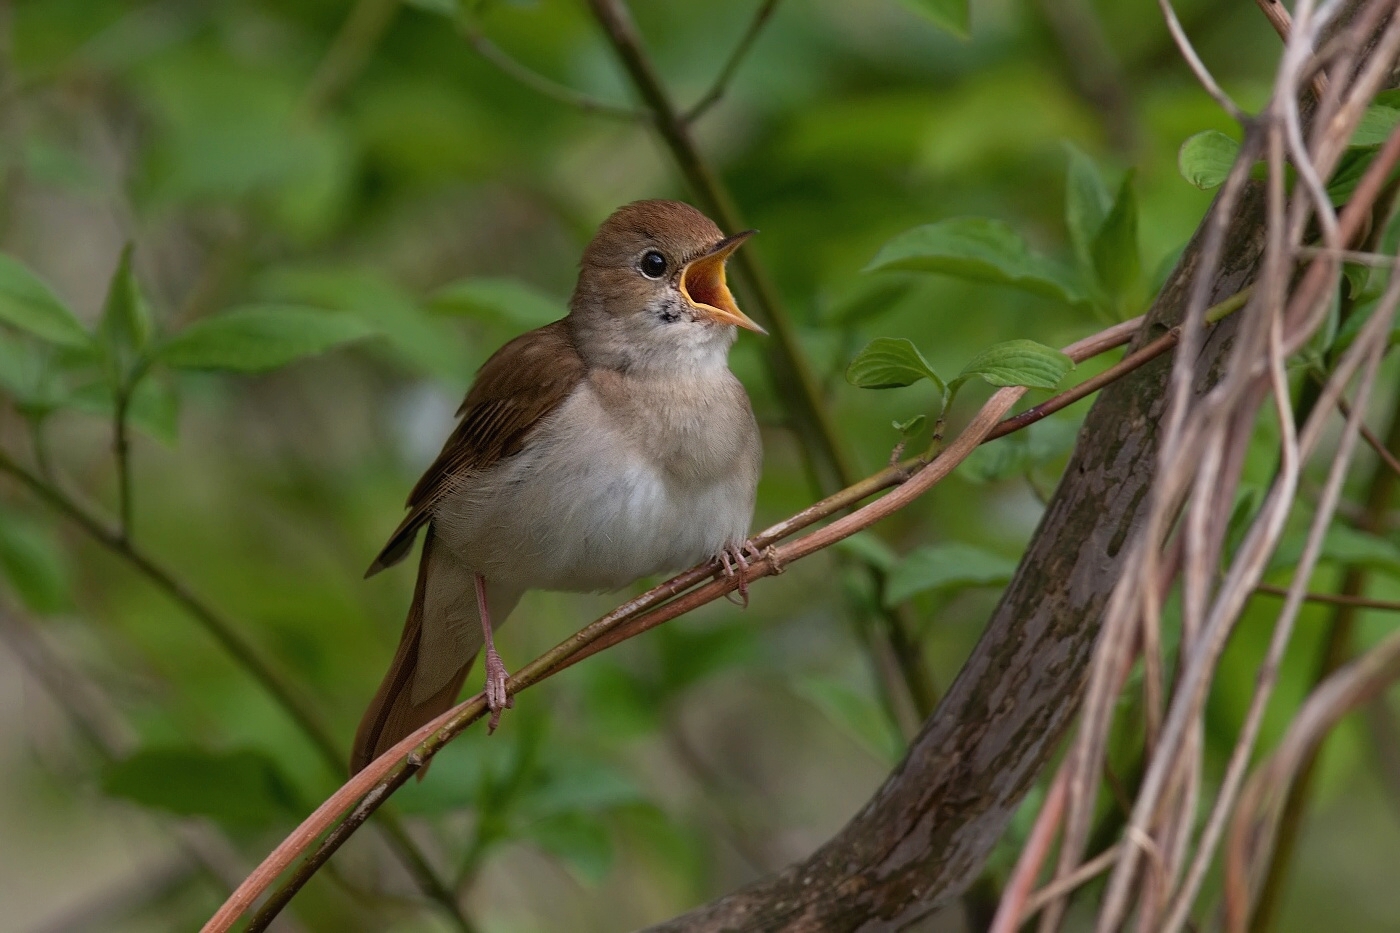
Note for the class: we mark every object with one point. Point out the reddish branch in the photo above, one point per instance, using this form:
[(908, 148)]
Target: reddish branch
[(667, 601)]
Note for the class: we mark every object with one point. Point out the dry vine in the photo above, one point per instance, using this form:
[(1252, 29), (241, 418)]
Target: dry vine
[(1159, 865)]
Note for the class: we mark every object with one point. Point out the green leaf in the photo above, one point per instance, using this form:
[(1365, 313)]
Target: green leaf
[(153, 408), (953, 16), (688, 655), (864, 545), (980, 250), (1205, 159), (1342, 545), (505, 301), (125, 327), (945, 567), (450, 8), (854, 713), (1087, 203), (1346, 334), (908, 429), (30, 305), (1376, 125), (581, 841), (890, 363), (421, 340), (868, 299), (578, 785), (1117, 265), (1019, 452), (240, 789), (259, 337), (34, 564), (1017, 363), (21, 366)]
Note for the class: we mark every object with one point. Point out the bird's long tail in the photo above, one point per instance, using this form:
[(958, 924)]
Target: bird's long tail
[(393, 713)]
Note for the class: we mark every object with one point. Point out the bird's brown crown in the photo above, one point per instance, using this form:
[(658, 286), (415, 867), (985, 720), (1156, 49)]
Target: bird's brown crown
[(675, 228)]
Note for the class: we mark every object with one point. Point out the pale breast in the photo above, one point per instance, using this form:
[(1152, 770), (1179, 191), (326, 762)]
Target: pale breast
[(605, 493)]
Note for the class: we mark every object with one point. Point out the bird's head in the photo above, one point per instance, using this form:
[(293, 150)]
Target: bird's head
[(651, 290)]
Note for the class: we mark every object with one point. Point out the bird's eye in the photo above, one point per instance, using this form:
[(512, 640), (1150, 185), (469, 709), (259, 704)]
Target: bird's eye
[(653, 264)]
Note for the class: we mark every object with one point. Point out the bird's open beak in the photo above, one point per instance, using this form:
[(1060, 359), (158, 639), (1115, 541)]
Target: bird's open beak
[(702, 284)]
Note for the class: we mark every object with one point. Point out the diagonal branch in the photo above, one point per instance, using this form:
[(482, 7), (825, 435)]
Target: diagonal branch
[(368, 789)]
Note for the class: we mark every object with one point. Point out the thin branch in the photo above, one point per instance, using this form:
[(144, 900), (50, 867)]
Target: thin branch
[(121, 452), (1198, 67), (547, 87), (1332, 599), (247, 656), (349, 52), (726, 74), (1378, 446), (673, 598)]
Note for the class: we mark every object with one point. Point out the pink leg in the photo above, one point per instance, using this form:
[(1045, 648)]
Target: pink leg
[(496, 697)]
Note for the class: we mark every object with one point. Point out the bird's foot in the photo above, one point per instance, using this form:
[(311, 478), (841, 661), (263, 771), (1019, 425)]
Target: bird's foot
[(734, 562), (496, 697)]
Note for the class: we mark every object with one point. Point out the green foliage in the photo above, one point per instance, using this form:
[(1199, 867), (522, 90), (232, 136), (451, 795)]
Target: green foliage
[(125, 327), (1117, 267), (1206, 158), (504, 301), (890, 363), (942, 567), (1019, 453), (951, 15), (1017, 363), (32, 562), (854, 713), (241, 789), (981, 250), (259, 338), (30, 305)]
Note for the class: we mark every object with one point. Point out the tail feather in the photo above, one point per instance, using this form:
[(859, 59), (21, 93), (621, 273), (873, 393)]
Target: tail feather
[(392, 714)]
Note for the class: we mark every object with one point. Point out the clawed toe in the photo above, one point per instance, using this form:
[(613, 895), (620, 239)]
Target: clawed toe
[(496, 697), (735, 563)]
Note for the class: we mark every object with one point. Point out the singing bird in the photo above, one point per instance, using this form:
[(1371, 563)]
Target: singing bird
[(607, 446)]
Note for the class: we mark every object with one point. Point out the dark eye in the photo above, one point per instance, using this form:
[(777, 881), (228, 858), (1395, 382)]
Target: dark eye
[(653, 264)]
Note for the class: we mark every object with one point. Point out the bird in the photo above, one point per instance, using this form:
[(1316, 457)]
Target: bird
[(611, 445)]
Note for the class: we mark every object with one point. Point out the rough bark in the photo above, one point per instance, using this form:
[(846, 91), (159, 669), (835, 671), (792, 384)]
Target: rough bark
[(925, 834)]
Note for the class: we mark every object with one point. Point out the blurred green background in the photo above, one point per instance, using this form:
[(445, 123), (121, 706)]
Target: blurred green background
[(296, 153)]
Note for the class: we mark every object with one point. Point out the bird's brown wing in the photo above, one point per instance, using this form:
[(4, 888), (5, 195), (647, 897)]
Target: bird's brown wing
[(521, 383)]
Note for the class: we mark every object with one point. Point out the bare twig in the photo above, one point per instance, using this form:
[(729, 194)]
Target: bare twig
[(1333, 599), (493, 53), (1198, 67), (731, 65), (348, 52)]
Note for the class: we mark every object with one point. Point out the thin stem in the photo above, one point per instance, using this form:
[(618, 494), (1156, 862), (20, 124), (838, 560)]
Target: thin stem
[(242, 650), (349, 52), (1332, 599), (493, 53), (121, 451), (731, 66)]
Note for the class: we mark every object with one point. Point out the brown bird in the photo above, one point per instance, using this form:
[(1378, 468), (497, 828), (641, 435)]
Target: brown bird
[(607, 446)]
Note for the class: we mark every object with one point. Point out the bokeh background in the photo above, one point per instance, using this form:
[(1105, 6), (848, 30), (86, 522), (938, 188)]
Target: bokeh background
[(365, 160)]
